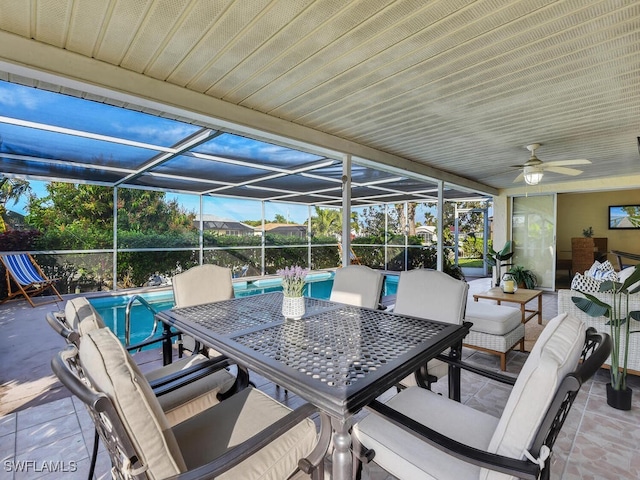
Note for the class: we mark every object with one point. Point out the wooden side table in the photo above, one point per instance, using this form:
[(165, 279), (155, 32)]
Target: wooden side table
[(522, 296)]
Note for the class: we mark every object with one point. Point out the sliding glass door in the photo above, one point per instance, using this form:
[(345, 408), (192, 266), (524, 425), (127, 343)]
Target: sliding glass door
[(533, 230)]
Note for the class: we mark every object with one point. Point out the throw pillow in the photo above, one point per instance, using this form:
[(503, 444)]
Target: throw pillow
[(602, 271), (592, 271), (585, 283), (626, 273)]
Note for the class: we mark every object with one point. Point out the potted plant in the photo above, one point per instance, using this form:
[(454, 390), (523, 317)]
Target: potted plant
[(495, 260), (525, 278), (618, 394), (292, 287)]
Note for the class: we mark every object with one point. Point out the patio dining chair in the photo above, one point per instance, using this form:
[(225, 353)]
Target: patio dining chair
[(357, 285), (199, 285), (421, 435), (185, 387), (249, 435), (432, 295), (25, 277)]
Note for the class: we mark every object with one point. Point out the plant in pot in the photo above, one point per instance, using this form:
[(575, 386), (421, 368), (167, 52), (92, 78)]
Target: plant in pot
[(495, 260), (524, 277), (618, 394)]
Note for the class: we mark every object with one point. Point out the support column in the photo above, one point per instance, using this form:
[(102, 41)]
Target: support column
[(440, 223), (346, 210)]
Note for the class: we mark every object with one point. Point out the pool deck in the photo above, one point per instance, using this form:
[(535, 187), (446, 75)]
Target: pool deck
[(40, 421)]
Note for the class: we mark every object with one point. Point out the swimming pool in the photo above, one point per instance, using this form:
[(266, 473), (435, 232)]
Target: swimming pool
[(112, 308)]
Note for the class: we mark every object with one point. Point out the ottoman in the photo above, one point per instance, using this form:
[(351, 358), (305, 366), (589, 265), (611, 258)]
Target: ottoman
[(496, 329)]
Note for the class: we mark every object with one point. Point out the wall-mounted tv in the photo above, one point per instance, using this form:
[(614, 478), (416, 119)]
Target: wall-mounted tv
[(624, 217)]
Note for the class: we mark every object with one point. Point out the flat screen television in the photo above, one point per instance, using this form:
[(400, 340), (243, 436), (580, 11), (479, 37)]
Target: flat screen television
[(624, 217)]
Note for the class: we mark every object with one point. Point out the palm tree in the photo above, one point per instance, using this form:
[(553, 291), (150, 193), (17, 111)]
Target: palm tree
[(410, 221), (326, 222), (10, 189)]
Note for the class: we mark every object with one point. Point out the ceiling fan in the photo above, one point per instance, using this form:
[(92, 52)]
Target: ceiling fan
[(534, 168)]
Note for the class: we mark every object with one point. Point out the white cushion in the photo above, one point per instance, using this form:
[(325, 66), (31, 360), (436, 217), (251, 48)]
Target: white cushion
[(357, 285), (602, 271), (432, 295), (196, 396), (555, 354), (593, 269), (81, 316), (199, 285), (626, 273), (202, 284), (107, 364), (404, 456), (492, 319), (237, 419)]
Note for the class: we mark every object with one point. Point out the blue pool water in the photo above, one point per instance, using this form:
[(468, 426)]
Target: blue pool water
[(112, 308)]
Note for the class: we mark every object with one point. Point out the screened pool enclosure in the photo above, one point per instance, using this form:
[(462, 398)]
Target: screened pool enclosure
[(123, 195)]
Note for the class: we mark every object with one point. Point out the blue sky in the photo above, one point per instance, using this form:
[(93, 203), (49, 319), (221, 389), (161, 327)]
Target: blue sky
[(223, 207), (35, 105)]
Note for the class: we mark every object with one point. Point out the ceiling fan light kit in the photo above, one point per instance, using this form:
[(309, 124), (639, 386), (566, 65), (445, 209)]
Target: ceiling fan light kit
[(533, 175), (533, 169)]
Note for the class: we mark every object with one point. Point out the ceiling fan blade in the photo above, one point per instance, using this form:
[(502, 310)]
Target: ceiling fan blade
[(562, 170), (519, 178), (564, 163)]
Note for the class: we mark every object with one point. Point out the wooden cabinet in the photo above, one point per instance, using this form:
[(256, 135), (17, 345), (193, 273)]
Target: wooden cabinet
[(585, 251)]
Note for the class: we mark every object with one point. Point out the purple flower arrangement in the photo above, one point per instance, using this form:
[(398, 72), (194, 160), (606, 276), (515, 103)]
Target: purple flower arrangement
[(293, 280)]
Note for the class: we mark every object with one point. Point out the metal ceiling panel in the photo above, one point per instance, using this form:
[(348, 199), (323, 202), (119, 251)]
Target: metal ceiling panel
[(458, 85), (176, 184), (58, 171)]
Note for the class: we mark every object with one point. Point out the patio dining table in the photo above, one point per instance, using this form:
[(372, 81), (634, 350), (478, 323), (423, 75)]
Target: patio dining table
[(337, 357)]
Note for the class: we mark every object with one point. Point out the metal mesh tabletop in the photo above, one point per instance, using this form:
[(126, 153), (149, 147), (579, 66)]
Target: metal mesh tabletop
[(338, 357), (236, 314), (340, 347)]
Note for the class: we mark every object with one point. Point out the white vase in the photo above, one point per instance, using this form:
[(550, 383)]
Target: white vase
[(293, 307)]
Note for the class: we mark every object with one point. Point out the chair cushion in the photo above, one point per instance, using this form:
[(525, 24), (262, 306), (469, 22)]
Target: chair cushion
[(357, 285), (555, 354), (237, 419), (492, 319), (81, 316), (431, 294), (404, 456), (109, 367), (202, 284), (196, 396)]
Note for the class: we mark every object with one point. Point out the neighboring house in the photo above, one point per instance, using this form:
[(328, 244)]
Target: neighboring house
[(13, 220), (224, 226), (428, 234), (284, 229)]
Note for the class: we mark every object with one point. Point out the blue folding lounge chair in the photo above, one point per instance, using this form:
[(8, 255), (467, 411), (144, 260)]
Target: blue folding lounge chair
[(23, 272)]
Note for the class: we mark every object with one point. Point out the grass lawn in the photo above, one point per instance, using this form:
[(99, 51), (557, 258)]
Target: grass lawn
[(470, 262)]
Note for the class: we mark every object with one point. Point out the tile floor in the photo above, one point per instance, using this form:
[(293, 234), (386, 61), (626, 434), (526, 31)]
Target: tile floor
[(44, 433)]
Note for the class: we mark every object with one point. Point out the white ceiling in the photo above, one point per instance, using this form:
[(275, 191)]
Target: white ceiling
[(460, 86)]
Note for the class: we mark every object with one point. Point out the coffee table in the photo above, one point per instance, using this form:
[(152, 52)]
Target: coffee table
[(522, 296)]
